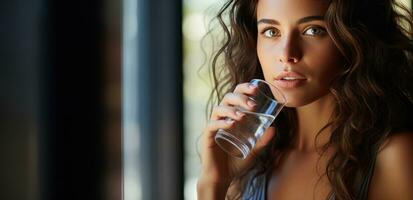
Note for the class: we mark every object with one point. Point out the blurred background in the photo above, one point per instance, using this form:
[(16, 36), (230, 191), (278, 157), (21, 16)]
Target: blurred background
[(103, 99)]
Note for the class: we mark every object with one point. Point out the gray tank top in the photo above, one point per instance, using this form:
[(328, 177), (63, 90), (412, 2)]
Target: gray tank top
[(259, 185)]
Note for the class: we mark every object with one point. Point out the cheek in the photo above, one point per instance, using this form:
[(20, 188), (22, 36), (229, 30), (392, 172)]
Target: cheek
[(261, 52), (327, 62), (267, 57)]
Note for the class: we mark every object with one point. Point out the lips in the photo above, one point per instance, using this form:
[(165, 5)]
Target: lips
[(290, 80)]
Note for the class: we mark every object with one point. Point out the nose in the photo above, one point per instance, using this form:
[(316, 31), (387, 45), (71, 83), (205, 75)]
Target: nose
[(290, 50)]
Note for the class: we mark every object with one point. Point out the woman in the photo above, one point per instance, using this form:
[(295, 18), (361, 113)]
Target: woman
[(346, 69)]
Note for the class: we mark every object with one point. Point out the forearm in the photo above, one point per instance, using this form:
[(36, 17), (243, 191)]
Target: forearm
[(211, 191)]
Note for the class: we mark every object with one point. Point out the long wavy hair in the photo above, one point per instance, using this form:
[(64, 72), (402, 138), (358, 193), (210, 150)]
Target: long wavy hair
[(374, 94)]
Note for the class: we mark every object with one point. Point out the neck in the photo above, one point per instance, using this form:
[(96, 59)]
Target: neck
[(311, 119)]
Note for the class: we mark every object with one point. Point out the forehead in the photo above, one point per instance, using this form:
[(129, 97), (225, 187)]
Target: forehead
[(290, 9)]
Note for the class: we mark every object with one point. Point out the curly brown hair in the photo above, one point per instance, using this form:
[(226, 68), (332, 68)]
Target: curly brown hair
[(374, 96)]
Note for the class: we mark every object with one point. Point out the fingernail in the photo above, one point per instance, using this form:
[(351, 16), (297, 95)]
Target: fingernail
[(252, 86), (251, 103), (239, 113)]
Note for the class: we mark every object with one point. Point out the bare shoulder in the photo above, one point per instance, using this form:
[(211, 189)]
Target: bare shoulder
[(398, 145), (393, 176)]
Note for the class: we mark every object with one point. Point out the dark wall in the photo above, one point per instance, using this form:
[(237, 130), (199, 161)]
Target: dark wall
[(60, 105), (20, 50), (72, 100), (52, 110)]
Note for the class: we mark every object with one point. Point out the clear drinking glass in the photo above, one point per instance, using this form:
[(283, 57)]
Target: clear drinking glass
[(239, 140)]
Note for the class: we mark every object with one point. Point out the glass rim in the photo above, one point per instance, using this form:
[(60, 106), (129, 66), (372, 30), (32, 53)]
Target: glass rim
[(276, 88)]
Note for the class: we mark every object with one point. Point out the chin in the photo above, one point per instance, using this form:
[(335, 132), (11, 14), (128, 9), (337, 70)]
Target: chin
[(300, 100), (294, 104)]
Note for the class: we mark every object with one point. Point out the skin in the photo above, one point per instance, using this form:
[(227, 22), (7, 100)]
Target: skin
[(393, 175), (292, 36)]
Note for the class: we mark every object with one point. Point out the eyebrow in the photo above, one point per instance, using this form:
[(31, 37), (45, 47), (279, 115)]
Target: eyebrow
[(300, 21)]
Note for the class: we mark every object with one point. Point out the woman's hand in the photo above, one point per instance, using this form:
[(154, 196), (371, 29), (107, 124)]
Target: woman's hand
[(219, 168)]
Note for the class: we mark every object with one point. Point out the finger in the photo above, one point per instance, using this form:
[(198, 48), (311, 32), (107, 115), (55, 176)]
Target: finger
[(245, 88), (213, 126), (220, 112), (236, 99)]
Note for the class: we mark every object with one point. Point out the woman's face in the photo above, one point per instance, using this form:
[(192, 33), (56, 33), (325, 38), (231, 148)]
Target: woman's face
[(295, 50)]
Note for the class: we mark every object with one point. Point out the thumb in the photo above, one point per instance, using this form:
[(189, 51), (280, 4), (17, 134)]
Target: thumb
[(265, 139)]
